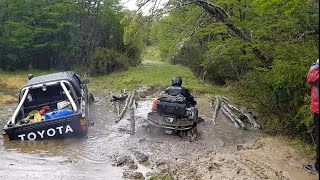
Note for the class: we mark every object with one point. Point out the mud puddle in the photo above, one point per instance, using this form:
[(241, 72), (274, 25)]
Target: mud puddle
[(110, 152)]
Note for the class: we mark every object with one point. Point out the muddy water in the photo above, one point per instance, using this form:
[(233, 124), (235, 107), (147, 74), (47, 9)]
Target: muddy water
[(92, 157)]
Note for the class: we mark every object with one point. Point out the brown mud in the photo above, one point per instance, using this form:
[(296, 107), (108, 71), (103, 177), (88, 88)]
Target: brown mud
[(266, 158), (110, 152)]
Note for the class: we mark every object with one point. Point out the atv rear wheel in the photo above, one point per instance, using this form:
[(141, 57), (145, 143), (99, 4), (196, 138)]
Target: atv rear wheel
[(91, 99)]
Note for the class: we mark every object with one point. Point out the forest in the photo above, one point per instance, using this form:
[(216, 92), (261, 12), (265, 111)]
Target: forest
[(261, 49), (65, 34)]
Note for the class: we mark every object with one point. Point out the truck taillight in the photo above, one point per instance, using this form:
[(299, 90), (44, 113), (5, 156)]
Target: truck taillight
[(84, 124), (154, 105), (83, 121), (5, 136)]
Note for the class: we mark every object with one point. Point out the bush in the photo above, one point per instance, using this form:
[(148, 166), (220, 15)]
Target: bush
[(105, 61), (133, 52), (280, 95)]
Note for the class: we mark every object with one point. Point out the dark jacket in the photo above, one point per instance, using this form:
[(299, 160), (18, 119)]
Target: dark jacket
[(176, 90)]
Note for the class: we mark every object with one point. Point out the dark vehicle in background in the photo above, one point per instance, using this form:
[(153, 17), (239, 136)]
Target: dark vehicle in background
[(51, 106), (174, 115)]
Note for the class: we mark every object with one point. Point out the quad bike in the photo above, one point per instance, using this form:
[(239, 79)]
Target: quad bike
[(174, 115)]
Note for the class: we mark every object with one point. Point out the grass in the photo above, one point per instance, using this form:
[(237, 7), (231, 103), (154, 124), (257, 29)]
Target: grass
[(151, 53), (12, 81), (7, 99), (152, 72)]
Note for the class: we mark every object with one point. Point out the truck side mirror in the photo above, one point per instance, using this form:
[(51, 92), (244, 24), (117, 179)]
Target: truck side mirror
[(30, 76)]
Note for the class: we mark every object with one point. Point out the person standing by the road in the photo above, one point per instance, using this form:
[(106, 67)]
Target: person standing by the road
[(313, 79)]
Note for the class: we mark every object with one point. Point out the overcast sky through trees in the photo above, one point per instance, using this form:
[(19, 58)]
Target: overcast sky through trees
[(131, 5)]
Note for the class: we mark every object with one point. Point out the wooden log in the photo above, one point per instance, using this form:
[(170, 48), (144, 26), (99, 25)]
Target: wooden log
[(120, 97), (216, 108), (225, 99), (226, 113), (230, 104), (132, 105), (252, 121), (125, 108), (118, 108), (241, 124), (131, 100), (132, 121)]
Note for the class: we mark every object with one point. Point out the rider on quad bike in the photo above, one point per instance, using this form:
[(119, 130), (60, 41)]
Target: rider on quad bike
[(176, 89), (174, 111)]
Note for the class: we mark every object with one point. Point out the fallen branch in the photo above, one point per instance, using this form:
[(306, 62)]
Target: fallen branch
[(216, 108), (252, 121), (230, 105), (124, 110), (225, 112), (132, 121), (234, 117), (232, 112)]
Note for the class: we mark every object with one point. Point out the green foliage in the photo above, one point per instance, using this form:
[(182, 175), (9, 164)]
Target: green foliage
[(136, 34), (32, 33), (60, 34), (172, 31), (284, 32), (276, 94), (105, 61), (281, 94)]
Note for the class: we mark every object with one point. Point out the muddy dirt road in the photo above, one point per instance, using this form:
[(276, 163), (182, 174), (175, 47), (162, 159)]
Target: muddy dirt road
[(111, 153)]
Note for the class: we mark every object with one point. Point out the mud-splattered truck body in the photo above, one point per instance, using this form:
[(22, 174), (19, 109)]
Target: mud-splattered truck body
[(50, 107)]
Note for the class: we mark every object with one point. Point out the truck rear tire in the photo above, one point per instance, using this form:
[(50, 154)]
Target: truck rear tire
[(91, 99)]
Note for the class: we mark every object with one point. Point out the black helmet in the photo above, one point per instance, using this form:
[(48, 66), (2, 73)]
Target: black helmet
[(176, 80)]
